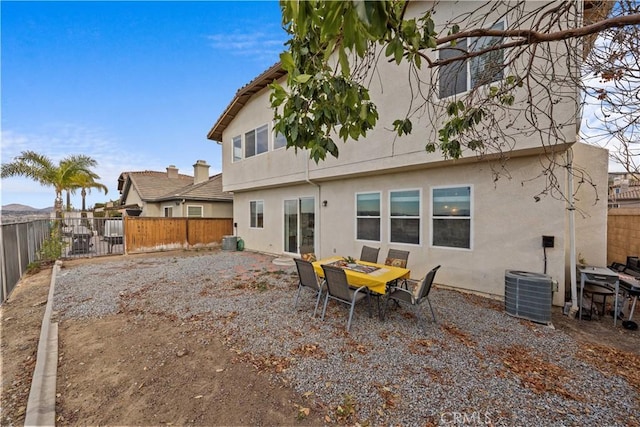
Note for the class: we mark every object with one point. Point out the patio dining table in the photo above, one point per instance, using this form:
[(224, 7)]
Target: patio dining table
[(374, 276)]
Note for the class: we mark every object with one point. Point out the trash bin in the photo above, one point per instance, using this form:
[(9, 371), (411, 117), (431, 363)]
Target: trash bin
[(229, 243)]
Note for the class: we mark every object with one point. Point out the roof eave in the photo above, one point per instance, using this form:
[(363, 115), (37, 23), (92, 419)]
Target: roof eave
[(240, 99)]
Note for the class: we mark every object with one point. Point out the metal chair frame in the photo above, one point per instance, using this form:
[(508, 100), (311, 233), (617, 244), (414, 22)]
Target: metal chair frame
[(401, 295), (369, 254), (308, 279), (338, 289)]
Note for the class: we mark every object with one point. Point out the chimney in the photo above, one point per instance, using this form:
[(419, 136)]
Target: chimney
[(200, 171), (172, 172)]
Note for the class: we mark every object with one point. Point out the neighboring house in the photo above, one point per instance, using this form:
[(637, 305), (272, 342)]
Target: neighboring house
[(388, 192), (624, 190), (172, 194)]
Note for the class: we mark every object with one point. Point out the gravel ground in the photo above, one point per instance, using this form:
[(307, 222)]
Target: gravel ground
[(476, 366)]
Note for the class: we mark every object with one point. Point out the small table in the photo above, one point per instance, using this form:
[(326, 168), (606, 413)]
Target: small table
[(600, 276)]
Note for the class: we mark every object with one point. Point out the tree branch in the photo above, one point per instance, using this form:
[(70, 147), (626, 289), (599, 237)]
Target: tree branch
[(531, 36)]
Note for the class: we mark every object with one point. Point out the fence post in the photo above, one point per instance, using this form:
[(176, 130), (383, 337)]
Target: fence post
[(3, 267), (18, 249)]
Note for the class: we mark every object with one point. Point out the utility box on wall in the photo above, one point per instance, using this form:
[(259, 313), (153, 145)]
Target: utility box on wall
[(547, 241)]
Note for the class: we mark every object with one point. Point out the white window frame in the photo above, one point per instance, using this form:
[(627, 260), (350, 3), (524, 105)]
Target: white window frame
[(419, 217), (470, 217), (263, 129), (166, 209), (201, 207), (379, 217), (467, 64), (275, 138), (235, 158), (253, 224)]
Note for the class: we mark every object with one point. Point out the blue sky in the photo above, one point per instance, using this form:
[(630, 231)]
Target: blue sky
[(135, 85)]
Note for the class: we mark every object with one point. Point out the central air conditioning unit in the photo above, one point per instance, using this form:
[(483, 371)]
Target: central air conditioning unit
[(528, 295)]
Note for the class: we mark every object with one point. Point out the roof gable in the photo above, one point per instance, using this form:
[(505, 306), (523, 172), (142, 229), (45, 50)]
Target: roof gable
[(154, 186), (210, 190)]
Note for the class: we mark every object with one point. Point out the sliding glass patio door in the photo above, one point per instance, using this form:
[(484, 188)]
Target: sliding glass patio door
[(299, 225)]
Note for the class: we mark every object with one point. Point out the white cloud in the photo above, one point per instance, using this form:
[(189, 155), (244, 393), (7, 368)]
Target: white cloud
[(593, 129), (59, 140), (259, 44)]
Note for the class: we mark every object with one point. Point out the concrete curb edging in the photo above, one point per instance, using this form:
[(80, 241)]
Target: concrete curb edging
[(41, 406)]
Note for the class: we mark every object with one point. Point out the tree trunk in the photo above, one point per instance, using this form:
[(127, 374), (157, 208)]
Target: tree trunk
[(57, 205), (84, 206), (68, 201), (84, 196)]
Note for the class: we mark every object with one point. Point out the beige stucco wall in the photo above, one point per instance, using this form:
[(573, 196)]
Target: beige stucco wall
[(155, 209), (382, 149), (591, 165), (133, 198), (508, 224), (507, 230), (209, 209)]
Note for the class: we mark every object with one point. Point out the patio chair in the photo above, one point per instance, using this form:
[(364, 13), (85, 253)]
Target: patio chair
[(339, 290), (309, 280), (369, 254), (421, 294), (307, 253), (397, 258)]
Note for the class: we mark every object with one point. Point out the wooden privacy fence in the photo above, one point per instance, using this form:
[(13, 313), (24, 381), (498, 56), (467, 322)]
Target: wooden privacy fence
[(623, 234), (145, 234)]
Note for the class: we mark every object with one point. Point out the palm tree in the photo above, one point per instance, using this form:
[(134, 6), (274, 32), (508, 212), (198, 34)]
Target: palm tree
[(86, 182), (43, 170)]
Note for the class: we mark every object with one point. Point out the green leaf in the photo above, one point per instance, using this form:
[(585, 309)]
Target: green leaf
[(286, 59), (391, 47), (302, 78), (344, 62), (399, 53)]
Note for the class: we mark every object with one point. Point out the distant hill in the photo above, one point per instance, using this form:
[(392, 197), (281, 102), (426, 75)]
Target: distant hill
[(16, 207)]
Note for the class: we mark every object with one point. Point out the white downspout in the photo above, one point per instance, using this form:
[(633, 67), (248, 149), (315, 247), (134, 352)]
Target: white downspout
[(318, 221), (571, 201), (572, 235)]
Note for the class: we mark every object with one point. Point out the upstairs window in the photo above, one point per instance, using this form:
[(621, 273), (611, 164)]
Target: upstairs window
[(256, 141), (279, 141), (237, 148), (461, 76)]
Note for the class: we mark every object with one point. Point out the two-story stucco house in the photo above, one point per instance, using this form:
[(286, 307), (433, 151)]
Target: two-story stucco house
[(387, 192)]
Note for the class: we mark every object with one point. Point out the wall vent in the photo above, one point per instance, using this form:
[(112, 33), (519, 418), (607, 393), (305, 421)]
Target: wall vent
[(528, 295)]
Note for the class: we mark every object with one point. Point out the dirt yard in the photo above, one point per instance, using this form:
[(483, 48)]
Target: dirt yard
[(166, 371), (163, 371)]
